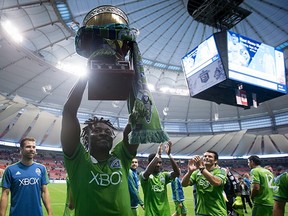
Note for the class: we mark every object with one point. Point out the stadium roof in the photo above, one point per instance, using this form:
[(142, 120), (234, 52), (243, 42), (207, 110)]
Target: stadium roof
[(34, 83)]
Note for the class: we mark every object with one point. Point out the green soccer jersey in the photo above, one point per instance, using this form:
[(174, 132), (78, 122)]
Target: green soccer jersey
[(281, 192), (265, 179), (155, 194), (100, 188), (210, 199)]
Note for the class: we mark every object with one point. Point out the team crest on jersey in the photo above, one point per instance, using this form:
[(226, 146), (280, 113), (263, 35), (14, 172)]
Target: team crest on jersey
[(162, 179), (38, 171), (115, 163)]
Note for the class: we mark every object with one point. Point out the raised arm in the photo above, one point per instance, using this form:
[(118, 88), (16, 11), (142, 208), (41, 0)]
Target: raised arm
[(176, 172), (132, 148), (70, 132), (191, 169), (214, 180), (151, 166)]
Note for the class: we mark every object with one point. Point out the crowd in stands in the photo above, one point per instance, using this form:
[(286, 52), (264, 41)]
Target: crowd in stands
[(53, 161)]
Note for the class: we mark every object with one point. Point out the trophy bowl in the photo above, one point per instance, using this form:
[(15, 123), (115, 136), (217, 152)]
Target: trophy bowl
[(110, 76), (104, 15)]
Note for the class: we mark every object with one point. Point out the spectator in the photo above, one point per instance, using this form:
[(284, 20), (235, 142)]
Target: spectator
[(245, 194), (154, 181), (247, 180), (270, 168), (1, 174), (210, 181), (281, 194), (27, 181), (261, 188), (279, 170), (238, 206), (178, 197), (231, 188), (134, 183), (98, 177)]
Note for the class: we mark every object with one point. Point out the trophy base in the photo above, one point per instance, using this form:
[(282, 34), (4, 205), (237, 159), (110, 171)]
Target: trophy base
[(110, 84)]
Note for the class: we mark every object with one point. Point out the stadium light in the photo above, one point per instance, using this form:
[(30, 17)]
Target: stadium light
[(76, 69), (12, 31)]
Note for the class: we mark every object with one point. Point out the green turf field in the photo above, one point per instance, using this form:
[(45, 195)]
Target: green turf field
[(58, 195)]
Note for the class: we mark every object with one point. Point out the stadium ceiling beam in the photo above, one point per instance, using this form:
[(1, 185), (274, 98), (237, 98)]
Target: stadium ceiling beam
[(24, 5), (271, 114)]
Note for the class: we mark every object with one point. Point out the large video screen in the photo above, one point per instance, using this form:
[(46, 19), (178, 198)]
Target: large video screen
[(203, 67), (255, 63)]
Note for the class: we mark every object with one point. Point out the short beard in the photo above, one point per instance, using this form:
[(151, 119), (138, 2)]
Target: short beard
[(103, 143)]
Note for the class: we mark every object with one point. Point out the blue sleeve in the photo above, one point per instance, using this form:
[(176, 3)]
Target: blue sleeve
[(44, 176), (132, 189), (7, 179)]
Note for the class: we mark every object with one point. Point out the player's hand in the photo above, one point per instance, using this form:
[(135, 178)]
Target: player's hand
[(198, 161), (168, 147), (191, 165), (159, 151)]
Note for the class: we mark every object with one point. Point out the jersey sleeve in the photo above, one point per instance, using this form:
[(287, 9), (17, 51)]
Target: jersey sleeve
[(193, 177), (255, 176), (6, 180), (281, 192), (220, 173), (44, 177), (121, 151)]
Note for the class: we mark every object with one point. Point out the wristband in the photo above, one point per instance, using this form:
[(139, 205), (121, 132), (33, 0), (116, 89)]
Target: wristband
[(201, 169)]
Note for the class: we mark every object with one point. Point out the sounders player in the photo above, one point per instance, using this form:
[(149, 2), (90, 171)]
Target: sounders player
[(154, 183), (99, 179), (281, 194), (262, 185), (209, 180)]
